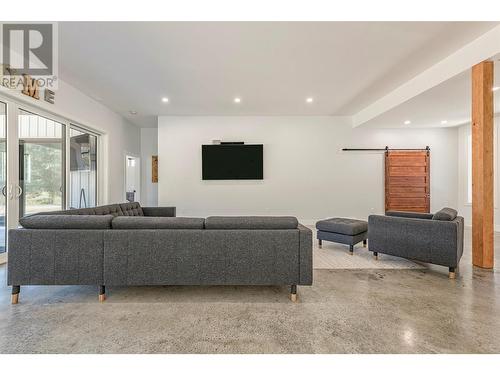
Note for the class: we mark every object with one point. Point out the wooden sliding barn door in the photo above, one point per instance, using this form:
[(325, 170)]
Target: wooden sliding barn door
[(407, 181)]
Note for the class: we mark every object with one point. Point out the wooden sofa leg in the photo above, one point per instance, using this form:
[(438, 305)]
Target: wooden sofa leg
[(351, 249), (293, 293), (452, 274), (15, 294), (364, 243), (375, 255), (320, 244), (102, 293)]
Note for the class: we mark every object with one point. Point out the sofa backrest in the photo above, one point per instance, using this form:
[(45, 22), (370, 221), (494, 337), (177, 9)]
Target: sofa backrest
[(410, 215), (110, 209), (66, 221), (131, 209), (251, 222), (121, 209), (127, 222), (131, 216)]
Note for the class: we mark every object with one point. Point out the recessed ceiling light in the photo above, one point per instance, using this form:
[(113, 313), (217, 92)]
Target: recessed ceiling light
[(496, 88), (237, 100), (164, 100), (407, 122), (444, 122), (132, 112), (310, 100)]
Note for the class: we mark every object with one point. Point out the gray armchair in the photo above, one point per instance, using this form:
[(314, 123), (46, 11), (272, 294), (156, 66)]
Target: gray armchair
[(436, 239)]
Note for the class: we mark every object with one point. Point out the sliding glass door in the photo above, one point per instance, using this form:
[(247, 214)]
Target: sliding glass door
[(3, 176), (41, 164), (82, 168), (46, 164)]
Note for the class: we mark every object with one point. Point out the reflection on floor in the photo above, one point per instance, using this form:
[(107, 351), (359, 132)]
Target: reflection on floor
[(345, 311)]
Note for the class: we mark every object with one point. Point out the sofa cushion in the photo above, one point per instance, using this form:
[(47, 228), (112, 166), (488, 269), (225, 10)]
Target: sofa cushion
[(66, 221), (446, 214), (350, 227), (131, 209), (251, 222), (144, 222)]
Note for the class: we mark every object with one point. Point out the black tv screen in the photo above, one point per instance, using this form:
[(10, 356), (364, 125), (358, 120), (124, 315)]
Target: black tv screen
[(232, 162)]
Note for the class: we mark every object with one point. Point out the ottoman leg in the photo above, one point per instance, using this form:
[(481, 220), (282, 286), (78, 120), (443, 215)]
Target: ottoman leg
[(320, 244), (351, 249), (364, 243), (375, 255)]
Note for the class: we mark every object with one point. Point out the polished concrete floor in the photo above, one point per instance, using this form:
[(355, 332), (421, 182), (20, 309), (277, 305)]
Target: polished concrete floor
[(345, 311)]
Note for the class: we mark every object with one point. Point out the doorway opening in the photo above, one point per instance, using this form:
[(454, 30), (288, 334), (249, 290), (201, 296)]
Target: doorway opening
[(132, 178)]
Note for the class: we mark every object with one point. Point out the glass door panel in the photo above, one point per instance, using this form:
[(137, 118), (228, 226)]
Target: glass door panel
[(41, 164), (3, 175), (82, 169)]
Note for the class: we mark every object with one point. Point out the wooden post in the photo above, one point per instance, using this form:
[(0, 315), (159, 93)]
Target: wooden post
[(482, 164)]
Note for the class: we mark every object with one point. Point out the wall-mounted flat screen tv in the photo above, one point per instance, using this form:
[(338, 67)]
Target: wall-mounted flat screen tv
[(232, 162)]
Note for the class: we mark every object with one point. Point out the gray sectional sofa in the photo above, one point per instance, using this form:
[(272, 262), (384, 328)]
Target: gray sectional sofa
[(432, 238), (126, 244)]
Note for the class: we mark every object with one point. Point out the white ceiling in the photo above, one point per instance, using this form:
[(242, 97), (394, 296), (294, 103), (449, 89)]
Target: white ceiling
[(450, 101), (272, 66)]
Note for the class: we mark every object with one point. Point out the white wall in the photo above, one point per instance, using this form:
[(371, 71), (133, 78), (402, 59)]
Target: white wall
[(119, 136), (149, 147), (305, 173), (464, 207)]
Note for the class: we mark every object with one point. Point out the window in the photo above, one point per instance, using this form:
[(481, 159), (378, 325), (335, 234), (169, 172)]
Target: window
[(3, 175), (83, 169), (56, 165), (41, 163)]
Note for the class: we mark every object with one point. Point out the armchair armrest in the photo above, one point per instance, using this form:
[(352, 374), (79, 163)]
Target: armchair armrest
[(159, 211), (305, 255), (431, 241), (415, 215)]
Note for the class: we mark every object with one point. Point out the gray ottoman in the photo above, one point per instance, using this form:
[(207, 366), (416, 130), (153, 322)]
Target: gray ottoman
[(340, 230)]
